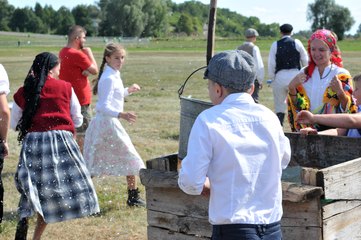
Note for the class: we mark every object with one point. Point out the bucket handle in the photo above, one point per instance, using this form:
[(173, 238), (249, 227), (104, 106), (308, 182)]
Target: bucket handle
[(181, 89)]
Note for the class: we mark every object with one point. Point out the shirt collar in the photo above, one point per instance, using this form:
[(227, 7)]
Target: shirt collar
[(239, 97)]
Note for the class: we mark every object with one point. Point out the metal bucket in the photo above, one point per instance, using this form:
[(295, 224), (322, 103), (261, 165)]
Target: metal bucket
[(190, 108)]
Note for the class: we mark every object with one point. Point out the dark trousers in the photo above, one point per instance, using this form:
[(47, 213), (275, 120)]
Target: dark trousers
[(256, 91), (247, 232), (1, 190)]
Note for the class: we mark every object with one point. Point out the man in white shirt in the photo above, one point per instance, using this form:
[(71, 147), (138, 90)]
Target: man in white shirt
[(250, 47), (236, 153), (286, 57)]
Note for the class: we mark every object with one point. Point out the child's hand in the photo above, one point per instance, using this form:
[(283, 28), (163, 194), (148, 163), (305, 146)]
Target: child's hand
[(134, 88), (305, 117), (308, 131), (130, 117)]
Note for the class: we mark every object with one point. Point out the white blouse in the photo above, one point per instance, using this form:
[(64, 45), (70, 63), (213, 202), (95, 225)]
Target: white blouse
[(111, 93)]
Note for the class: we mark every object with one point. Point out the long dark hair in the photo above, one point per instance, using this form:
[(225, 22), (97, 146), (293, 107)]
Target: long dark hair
[(33, 85)]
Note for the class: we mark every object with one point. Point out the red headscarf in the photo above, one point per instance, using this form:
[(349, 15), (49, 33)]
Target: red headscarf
[(330, 38)]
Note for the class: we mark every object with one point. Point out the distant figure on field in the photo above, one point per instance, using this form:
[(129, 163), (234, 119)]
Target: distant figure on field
[(250, 47), (286, 57)]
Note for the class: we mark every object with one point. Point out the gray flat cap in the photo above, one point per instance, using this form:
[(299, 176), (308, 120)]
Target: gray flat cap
[(232, 69), (250, 32)]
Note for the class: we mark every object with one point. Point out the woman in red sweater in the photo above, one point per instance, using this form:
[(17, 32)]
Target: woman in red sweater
[(51, 177)]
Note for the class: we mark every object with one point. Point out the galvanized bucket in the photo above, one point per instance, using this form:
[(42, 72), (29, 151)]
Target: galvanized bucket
[(190, 108)]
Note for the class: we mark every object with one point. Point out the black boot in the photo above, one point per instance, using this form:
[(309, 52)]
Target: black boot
[(134, 198), (22, 229), (280, 116)]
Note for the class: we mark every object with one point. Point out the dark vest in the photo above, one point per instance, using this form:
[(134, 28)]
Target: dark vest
[(287, 56)]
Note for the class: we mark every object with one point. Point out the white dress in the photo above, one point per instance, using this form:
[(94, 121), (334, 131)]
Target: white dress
[(108, 149)]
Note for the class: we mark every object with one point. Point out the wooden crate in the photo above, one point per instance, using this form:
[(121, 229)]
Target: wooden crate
[(325, 205)]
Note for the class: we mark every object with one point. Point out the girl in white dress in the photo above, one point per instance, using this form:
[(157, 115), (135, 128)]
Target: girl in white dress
[(108, 149)]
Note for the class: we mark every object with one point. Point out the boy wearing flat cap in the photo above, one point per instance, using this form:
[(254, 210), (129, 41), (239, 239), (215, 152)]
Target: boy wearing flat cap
[(250, 47), (286, 57), (236, 153)]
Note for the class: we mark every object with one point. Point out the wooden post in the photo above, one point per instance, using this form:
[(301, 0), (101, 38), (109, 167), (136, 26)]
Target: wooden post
[(211, 29)]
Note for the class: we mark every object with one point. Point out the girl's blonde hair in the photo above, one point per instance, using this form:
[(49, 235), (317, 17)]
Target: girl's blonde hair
[(110, 48)]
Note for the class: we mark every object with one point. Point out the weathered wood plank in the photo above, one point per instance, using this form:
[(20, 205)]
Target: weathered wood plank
[(301, 233), (308, 176), (342, 220), (175, 201), (302, 214), (183, 224), (155, 233), (341, 181), (293, 192), (158, 178), (321, 151), (165, 163)]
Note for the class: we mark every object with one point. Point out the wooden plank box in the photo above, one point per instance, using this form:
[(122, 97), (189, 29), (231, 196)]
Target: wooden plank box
[(324, 205)]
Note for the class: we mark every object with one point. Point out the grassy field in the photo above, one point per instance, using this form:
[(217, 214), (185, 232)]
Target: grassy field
[(160, 67)]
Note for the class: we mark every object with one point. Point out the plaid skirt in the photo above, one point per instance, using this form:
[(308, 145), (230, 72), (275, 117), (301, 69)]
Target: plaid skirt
[(53, 179), (108, 149)]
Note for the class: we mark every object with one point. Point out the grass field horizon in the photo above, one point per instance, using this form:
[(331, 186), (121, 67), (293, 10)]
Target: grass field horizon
[(160, 67)]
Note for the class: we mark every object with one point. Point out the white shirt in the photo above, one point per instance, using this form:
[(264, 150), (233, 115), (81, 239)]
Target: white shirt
[(4, 81), (111, 93), (240, 146), (315, 87), (258, 61), (273, 52), (75, 112)]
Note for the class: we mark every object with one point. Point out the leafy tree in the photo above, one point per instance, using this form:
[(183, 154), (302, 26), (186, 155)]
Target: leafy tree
[(185, 24), (133, 18), (25, 20), (6, 11), (47, 16), (87, 16), (327, 14), (65, 19)]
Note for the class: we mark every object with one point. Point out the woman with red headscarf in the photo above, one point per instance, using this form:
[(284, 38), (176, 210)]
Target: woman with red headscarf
[(324, 86)]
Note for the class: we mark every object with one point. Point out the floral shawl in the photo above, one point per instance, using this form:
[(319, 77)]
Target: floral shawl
[(331, 103)]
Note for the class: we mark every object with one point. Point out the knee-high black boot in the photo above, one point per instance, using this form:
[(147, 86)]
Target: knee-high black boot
[(280, 116)]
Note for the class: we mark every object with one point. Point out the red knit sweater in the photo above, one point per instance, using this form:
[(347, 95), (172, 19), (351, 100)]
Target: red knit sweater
[(53, 112)]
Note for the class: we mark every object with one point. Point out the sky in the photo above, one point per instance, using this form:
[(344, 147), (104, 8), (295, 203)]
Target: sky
[(268, 11)]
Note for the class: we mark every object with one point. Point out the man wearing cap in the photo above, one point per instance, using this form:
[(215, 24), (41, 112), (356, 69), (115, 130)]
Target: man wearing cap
[(286, 57), (249, 47), (236, 153)]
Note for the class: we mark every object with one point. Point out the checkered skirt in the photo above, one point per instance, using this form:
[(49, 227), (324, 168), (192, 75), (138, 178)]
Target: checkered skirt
[(52, 178)]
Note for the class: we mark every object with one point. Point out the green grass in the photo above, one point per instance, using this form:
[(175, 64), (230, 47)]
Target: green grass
[(160, 68)]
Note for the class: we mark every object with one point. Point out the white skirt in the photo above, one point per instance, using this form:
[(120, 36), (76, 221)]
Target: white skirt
[(108, 149)]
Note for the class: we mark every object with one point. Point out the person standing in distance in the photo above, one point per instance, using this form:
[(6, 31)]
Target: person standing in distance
[(77, 63), (286, 57), (250, 47)]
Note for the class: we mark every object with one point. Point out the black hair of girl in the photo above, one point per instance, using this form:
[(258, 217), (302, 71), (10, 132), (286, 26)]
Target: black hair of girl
[(110, 48), (33, 85)]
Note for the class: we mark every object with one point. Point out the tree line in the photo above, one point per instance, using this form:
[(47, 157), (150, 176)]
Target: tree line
[(158, 18)]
